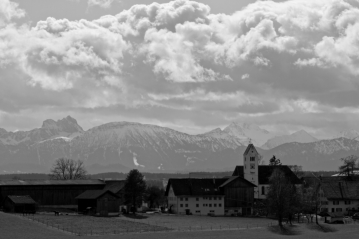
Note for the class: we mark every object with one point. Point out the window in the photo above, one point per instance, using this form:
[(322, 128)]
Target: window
[(186, 205), (210, 205), (204, 205), (347, 202), (211, 211), (332, 209), (225, 211), (197, 205), (181, 199), (220, 205), (214, 198), (338, 209), (324, 209), (198, 211), (215, 205), (252, 166), (197, 199), (209, 198), (181, 205), (252, 158), (263, 190), (219, 198), (335, 202), (186, 199)]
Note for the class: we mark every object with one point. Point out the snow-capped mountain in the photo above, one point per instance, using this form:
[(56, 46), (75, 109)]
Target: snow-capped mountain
[(300, 137), (152, 148), (50, 129), (351, 134), (248, 132)]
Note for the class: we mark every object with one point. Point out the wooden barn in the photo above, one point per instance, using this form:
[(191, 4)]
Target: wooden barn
[(101, 202), (19, 204), (56, 193)]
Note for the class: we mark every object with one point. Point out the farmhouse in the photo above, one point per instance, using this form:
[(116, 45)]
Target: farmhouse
[(203, 196), (56, 193), (259, 174), (339, 196)]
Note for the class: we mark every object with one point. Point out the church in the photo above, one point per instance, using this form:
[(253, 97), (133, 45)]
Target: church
[(234, 195), (259, 174)]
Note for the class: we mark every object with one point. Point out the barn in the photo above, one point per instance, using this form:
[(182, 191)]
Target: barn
[(56, 193), (101, 202), (19, 204)]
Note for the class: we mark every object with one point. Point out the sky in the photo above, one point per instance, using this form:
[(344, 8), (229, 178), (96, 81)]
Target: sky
[(189, 65)]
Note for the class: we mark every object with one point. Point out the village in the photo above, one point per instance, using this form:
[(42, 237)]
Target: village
[(255, 195)]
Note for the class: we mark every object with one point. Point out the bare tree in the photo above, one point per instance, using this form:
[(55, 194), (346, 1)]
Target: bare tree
[(68, 169), (349, 165), (282, 196), (274, 161)]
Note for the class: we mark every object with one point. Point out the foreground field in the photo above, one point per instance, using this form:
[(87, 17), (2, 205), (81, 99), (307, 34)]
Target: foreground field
[(14, 227), (203, 223)]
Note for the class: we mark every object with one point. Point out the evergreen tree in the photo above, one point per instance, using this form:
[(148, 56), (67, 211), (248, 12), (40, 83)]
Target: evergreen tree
[(135, 187)]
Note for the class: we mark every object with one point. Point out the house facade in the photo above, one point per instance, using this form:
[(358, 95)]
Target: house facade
[(339, 197), (259, 174), (223, 196)]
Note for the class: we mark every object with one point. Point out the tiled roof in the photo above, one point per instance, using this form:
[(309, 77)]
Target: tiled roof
[(250, 147), (341, 190), (21, 199), (94, 194), (196, 186), (51, 182), (265, 171), (233, 178)]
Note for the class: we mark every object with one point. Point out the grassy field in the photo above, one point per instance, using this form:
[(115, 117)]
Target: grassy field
[(200, 223), (88, 225), (14, 227)]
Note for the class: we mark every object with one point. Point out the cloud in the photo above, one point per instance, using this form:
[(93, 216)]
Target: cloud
[(100, 3), (8, 11), (268, 59)]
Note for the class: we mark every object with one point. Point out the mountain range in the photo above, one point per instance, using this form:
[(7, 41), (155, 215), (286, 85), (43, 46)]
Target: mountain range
[(120, 146)]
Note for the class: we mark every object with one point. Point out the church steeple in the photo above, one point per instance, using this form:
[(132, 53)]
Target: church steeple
[(250, 162)]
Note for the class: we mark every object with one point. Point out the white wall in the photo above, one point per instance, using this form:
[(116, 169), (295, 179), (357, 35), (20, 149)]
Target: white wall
[(198, 205)]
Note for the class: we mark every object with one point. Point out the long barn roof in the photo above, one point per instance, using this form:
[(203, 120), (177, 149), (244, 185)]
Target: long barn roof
[(51, 182)]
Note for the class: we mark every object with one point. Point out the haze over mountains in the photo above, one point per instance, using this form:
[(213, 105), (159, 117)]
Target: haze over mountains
[(123, 145)]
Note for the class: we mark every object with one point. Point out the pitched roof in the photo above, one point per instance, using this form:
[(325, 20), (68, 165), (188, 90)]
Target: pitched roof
[(233, 178), (94, 194), (195, 186), (341, 190), (21, 199), (265, 171), (51, 182), (250, 147), (115, 186)]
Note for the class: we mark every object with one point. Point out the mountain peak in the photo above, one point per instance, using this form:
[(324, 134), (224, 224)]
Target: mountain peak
[(349, 134), (68, 125)]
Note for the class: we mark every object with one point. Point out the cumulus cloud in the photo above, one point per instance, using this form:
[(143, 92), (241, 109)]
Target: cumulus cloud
[(9, 10), (100, 3), (270, 58)]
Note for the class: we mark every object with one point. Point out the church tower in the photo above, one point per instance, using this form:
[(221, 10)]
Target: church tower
[(250, 164)]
